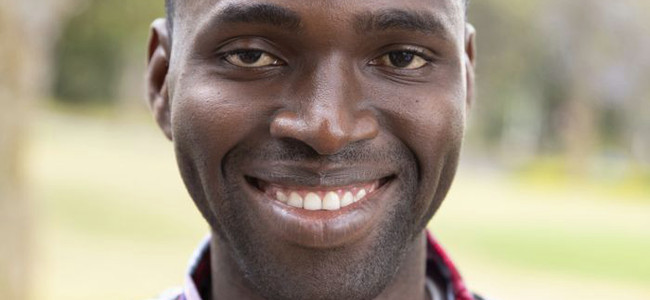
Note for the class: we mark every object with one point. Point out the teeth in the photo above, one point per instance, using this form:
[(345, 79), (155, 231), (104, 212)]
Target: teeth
[(313, 202), (362, 193), (331, 201), (295, 200), (282, 197), (347, 199)]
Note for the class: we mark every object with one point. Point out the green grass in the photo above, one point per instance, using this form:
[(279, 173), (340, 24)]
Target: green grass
[(114, 221), (606, 256), (547, 235)]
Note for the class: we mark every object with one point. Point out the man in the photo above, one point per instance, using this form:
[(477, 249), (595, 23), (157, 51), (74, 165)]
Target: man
[(317, 138)]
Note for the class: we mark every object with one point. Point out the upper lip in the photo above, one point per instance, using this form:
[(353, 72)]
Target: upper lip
[(312, 175)]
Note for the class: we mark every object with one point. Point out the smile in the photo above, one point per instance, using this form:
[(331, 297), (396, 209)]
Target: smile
[(319, 198), (320, 209)]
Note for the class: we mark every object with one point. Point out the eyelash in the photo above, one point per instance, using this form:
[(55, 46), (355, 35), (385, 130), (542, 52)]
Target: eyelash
[(424, 54), (408, 49), (224, 55), (417, 51)]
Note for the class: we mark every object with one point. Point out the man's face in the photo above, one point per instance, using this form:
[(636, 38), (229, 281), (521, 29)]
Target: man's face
[(317, 137)]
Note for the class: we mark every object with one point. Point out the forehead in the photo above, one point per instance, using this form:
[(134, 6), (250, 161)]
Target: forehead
[(321, 14), (205, 5)]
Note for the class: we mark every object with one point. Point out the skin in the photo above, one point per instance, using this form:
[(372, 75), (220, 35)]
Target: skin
[(318, 103)]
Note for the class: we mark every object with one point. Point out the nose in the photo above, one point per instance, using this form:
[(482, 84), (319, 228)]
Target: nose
[(324, 112)]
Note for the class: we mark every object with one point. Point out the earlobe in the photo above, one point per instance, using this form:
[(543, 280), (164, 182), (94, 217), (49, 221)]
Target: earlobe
[(158, 56), (470, 61)]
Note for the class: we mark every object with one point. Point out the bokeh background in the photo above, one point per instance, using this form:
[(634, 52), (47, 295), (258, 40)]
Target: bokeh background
[(552, 200)]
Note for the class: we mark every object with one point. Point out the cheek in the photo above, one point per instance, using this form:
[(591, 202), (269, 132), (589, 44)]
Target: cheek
[(434, 133), (207, 123), (435, 138), (199, 120), (430, 123), (209, 120), (428, 117)]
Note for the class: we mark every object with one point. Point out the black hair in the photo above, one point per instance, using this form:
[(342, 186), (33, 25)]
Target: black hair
[(169, 8)]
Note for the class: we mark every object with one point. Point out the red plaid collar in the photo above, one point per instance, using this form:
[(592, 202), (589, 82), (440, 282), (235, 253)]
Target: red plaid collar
[(439, 265)]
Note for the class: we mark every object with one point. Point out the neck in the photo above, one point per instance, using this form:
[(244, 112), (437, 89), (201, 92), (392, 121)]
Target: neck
[(228, 282)]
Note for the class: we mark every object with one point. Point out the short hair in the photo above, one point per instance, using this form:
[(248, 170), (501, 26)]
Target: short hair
[(169, 9)]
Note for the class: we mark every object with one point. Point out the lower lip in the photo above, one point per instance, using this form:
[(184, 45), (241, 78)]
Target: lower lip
[(321, 228)]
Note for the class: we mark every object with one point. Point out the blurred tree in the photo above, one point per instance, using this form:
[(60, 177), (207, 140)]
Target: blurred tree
[(563, 78), (603, 50), (101, 45), (28, 29), (508, 117)]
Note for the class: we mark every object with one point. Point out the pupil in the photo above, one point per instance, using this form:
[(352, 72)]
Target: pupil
[(249, 57), (401, 59)]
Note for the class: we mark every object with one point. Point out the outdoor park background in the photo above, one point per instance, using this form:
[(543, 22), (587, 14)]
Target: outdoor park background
[(552, 200)]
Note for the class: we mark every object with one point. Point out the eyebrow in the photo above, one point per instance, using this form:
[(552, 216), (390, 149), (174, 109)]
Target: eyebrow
[(398, 19), (261, 13)]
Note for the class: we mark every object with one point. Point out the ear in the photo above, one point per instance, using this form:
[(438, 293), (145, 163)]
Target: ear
[(470, 62), (158, 56)]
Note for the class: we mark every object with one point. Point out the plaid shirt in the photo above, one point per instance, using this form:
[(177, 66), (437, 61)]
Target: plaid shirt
[(438, 264)]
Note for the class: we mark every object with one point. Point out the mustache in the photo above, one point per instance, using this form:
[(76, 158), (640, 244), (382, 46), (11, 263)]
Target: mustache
[(295, 151), (294, 162)]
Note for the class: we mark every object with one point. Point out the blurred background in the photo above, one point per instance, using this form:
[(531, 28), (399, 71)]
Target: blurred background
[(552, 200)]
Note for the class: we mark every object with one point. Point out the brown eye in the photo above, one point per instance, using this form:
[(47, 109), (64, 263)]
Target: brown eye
[(408, 60), (252, 59)]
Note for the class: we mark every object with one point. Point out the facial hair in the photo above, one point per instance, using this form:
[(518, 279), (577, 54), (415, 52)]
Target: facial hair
[(347, 272)]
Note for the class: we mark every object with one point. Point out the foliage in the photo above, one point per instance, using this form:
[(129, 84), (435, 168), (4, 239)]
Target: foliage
[(94, 45), (562, 77)]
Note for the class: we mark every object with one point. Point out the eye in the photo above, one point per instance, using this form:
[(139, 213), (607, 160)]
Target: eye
[(403, 59), (252, 59)]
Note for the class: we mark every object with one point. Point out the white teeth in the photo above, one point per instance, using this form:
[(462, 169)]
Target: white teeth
[(347, 199), (362, 193), (295, 200), (312, 202), (282, 197), (331, 201)]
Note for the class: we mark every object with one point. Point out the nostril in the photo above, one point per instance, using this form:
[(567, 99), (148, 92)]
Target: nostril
[(326, 132), (323, 135), (328, 138)]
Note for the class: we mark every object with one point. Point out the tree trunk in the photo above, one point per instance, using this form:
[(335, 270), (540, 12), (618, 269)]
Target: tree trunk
[(15, 220), (579, 130), (28, 29)]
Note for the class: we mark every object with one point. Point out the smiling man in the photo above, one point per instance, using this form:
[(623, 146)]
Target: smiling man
[(317, 138)]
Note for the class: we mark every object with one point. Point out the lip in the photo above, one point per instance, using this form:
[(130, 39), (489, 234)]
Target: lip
[(320, 228)]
